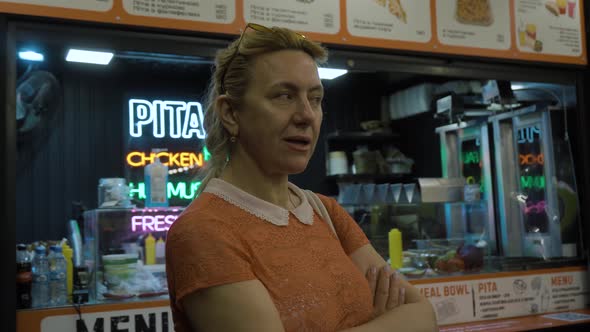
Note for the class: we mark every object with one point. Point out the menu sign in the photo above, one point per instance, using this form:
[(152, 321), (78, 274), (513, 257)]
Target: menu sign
[(474, 23), (93, 5), (393, 20), (301, 15), (549, 27), (218, 11), (526, 30), (511, 296)]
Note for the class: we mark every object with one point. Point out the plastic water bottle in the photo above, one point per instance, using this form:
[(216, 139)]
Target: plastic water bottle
[(40, 289), (24, 277), (58, 292)]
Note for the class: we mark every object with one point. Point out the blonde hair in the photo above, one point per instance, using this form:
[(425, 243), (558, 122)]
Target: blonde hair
[(235, 66)]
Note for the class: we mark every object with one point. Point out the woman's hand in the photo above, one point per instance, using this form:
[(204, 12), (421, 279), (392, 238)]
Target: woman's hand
[(386, 289)]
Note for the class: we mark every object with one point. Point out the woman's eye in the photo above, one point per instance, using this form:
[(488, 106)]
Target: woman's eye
[(316, 101), (284, 97)]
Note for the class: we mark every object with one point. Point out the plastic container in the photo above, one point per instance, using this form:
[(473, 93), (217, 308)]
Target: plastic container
[(40, 287), (113, 192), (338, 163), (156, 182)]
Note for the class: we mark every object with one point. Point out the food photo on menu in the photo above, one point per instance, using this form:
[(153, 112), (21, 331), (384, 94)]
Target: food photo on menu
[(474, 12), (395, 8)]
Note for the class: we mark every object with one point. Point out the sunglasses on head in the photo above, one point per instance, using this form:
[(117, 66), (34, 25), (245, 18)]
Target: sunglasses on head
[(255, 27)]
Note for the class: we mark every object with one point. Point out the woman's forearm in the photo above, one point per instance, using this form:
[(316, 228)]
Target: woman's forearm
[(412, 317)]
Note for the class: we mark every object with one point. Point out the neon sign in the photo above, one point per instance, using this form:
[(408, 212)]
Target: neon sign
[(471, 157), (532, 182), (528, 134), (538, 207), (170, 159), (175, 119), (156, 223), (531, 159), (182, 190)]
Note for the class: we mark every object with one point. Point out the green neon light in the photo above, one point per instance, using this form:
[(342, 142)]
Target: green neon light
[(206, 154), (532, 182), (182, 190), (471, 157)]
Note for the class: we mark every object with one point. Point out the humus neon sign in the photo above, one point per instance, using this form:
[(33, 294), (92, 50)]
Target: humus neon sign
[(182, 190), (155, 223), (173, 119)]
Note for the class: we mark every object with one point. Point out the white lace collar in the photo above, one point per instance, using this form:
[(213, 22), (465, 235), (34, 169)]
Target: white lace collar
[(261, 208)]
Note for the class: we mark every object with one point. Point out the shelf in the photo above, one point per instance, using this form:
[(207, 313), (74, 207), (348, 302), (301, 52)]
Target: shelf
[(361, 136), (381, 178)]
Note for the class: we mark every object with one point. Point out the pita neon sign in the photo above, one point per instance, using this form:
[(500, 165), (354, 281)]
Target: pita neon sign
[(168, 118)]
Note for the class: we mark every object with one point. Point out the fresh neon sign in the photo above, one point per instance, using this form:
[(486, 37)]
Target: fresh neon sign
[(175, 119), (156, 223)]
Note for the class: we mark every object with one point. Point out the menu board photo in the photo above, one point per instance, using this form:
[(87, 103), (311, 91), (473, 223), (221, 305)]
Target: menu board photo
[(474, 23), (389, 19), (548, 27), (213, 11), (304, 16), (92, 5)]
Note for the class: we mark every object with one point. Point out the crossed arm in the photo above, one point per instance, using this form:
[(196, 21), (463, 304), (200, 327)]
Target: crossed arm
[(247, 305)]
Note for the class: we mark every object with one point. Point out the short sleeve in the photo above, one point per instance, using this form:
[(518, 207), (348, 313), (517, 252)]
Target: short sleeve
[(350, 234), (202, 253)]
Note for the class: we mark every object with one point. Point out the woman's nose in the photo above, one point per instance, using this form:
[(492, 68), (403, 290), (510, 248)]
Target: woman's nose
[(305, 112)]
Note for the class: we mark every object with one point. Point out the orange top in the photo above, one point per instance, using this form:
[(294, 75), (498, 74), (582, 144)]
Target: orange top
[(227, 235)]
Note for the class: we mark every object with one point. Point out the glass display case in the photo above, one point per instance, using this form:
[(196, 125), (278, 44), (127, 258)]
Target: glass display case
[(124, 250), (506, 201)]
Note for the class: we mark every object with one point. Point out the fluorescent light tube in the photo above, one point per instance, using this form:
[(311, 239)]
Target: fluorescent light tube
[(30, 56), (331, 73), (99, 58)]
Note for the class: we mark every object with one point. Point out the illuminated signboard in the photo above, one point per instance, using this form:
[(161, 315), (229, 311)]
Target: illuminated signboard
[(532, 178), (174, 119), (174, 127)]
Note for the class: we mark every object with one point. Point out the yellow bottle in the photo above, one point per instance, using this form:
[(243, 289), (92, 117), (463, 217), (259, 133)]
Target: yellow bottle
[(395, 248), (150, 250), (68, 253)]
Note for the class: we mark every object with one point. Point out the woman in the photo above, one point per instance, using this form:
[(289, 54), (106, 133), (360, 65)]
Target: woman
[(250, 254)]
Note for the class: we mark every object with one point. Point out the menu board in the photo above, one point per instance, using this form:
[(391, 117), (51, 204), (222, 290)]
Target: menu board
[(393, 20), (474, 23), (548, 27), (93, 5), (216, 11), (523, 30), (501, 297), (300, 15)]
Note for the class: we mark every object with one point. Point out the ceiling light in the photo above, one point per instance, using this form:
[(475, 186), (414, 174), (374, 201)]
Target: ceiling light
[(99, 58), (331, 73), (30, 56)]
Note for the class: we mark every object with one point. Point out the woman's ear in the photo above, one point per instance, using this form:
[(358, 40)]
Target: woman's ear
[(228, 115)]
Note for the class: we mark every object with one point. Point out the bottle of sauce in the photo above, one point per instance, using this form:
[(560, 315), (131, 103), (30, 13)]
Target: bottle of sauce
[(150, 250)]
